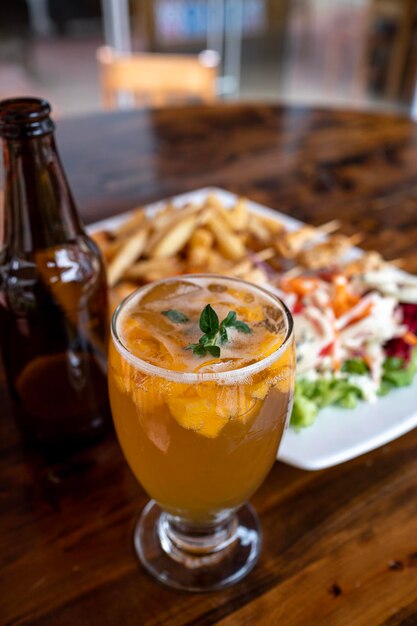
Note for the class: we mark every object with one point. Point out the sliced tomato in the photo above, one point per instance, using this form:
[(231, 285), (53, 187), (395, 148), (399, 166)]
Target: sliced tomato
[(327, 350), (299, 307)]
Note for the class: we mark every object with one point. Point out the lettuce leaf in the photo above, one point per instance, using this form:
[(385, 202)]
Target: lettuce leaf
[(304, 411), (355, 366), (397, 373), (311, 396)]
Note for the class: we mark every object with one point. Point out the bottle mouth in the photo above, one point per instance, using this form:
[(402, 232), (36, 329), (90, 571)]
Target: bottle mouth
[(25, 117)]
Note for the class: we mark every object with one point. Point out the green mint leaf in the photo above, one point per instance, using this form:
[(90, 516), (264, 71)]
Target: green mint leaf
[(242, 327), (197, 348), (229, 320), (209, 321), (215, 333), (176, 316), (223, 335)]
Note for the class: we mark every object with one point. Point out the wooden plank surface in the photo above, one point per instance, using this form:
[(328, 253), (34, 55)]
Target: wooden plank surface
[(340, 545), (312, 164)]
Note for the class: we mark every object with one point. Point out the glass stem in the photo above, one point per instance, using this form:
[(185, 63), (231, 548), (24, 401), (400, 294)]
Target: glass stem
[(194, 543)]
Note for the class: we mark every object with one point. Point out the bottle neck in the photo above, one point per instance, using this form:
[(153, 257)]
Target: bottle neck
[(39, 208)]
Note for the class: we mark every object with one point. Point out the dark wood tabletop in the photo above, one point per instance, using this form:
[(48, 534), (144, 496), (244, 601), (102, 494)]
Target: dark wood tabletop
[(340, 545)]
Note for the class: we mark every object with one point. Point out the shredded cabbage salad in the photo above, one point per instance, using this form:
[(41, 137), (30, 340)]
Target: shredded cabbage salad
[(356, 336)]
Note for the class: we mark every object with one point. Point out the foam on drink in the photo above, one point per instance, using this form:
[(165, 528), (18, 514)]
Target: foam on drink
[(148, 333)]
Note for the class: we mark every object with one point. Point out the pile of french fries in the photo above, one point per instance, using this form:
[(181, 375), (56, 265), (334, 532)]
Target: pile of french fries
[(211, 238)]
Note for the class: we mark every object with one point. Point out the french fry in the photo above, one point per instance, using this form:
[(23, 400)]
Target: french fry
[(240, 214), (135, 221), (241, 269), (174, 239), (205, 215), (163, 225), (258, 229), (213, 238), (108, 247), (129, 252), (112, 248), (101, 238), (168, 272), (119, 292), (163, 217), (229, 244), (125, 288), (274, 226), (236, 218), (168, 218), (142, 268), (226, 216), (213, 202), (201, 241), (216, 262)]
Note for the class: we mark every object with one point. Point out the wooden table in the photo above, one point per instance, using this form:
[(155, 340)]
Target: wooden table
[(340, 545)]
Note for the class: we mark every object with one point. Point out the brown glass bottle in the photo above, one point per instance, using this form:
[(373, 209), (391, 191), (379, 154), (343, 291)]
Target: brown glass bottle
[(53, 296)]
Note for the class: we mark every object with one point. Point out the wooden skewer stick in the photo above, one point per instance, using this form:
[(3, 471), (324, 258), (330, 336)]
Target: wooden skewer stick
[(295, 271), (356, 238), (265, 255), (329, 227)]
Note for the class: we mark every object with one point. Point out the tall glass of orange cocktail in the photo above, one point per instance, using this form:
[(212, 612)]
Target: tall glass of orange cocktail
[(201, 376)]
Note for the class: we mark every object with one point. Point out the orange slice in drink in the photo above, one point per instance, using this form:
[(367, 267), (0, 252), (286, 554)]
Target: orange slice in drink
[(259, 390), (143, 345), (205, 408), (248, 408), (147, 395), (198, 414), (283, 370), (121, 370), (128, 379), (232, 401)]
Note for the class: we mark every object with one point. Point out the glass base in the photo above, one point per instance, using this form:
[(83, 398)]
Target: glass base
[(198, 557)]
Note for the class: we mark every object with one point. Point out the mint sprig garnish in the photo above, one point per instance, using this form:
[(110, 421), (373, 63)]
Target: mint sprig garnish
[(215, 332), (209, 321), (176, 316)]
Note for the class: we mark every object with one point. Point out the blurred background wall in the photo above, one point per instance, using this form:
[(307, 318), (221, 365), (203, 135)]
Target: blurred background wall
[(330, 52)]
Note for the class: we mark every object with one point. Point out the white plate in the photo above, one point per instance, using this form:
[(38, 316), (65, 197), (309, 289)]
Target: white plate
[(338, 434)]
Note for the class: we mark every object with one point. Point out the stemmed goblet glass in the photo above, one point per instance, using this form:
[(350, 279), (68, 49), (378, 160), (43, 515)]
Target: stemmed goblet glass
[(200, 439)]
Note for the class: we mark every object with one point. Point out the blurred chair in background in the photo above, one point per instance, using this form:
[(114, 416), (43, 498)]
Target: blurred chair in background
[(391, 62), (15, 33), (157, 79), (324, 52), (16, 67)]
